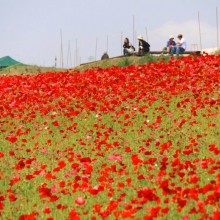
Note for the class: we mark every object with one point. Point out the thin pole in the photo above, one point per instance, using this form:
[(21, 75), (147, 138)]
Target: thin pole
[(133, 30), (121, 43), (69, 55), (55, 61), (199, 32), (217, 24), (74, 57), (96, 42), (61, 49), (76, 54), (135, 37), (68, 51), (107, 44), (146, 34)]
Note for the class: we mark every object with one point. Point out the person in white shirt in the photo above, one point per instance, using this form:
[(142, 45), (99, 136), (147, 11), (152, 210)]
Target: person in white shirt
[(180, 46), (128, 48)]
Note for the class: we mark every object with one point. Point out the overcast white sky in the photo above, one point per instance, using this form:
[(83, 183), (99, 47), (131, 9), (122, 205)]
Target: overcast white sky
[(31, 29)]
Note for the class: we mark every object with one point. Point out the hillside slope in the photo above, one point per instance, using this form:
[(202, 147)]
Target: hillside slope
[(116, 61)]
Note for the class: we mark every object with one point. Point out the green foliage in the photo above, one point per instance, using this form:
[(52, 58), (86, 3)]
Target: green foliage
[(124, 62), (217, 51), (146, 151), (66, 142), (148, 58), (27, 69)]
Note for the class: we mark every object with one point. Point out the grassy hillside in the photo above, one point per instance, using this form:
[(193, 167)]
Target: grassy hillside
[(27, 69), (120, 61), (117, 61), (138, 142)]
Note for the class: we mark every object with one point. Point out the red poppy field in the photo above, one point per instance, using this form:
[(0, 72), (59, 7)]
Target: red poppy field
[(138, 142)]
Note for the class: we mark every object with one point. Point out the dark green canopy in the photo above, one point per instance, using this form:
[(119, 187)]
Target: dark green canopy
[(8, 61)]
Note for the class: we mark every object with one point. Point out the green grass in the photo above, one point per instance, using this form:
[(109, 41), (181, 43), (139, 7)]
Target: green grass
[(123, 62), (65, 142), (27, 69), (151, 142)]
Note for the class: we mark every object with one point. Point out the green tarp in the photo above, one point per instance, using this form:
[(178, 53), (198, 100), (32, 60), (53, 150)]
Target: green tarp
[(8, 61)]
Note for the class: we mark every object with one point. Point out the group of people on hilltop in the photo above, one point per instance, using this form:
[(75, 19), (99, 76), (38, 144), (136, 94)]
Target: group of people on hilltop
[(144, 47), (171, 48)]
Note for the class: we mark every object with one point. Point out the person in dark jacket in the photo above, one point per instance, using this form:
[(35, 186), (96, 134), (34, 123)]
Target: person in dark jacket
[(105, 56), (144, 46)]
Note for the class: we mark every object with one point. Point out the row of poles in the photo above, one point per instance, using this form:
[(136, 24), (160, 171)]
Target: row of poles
[(200, 37), (77, 58), (69, 55)]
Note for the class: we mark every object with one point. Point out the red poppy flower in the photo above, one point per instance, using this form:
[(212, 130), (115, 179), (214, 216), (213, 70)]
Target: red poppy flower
[(1, 154), (80, 200)]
